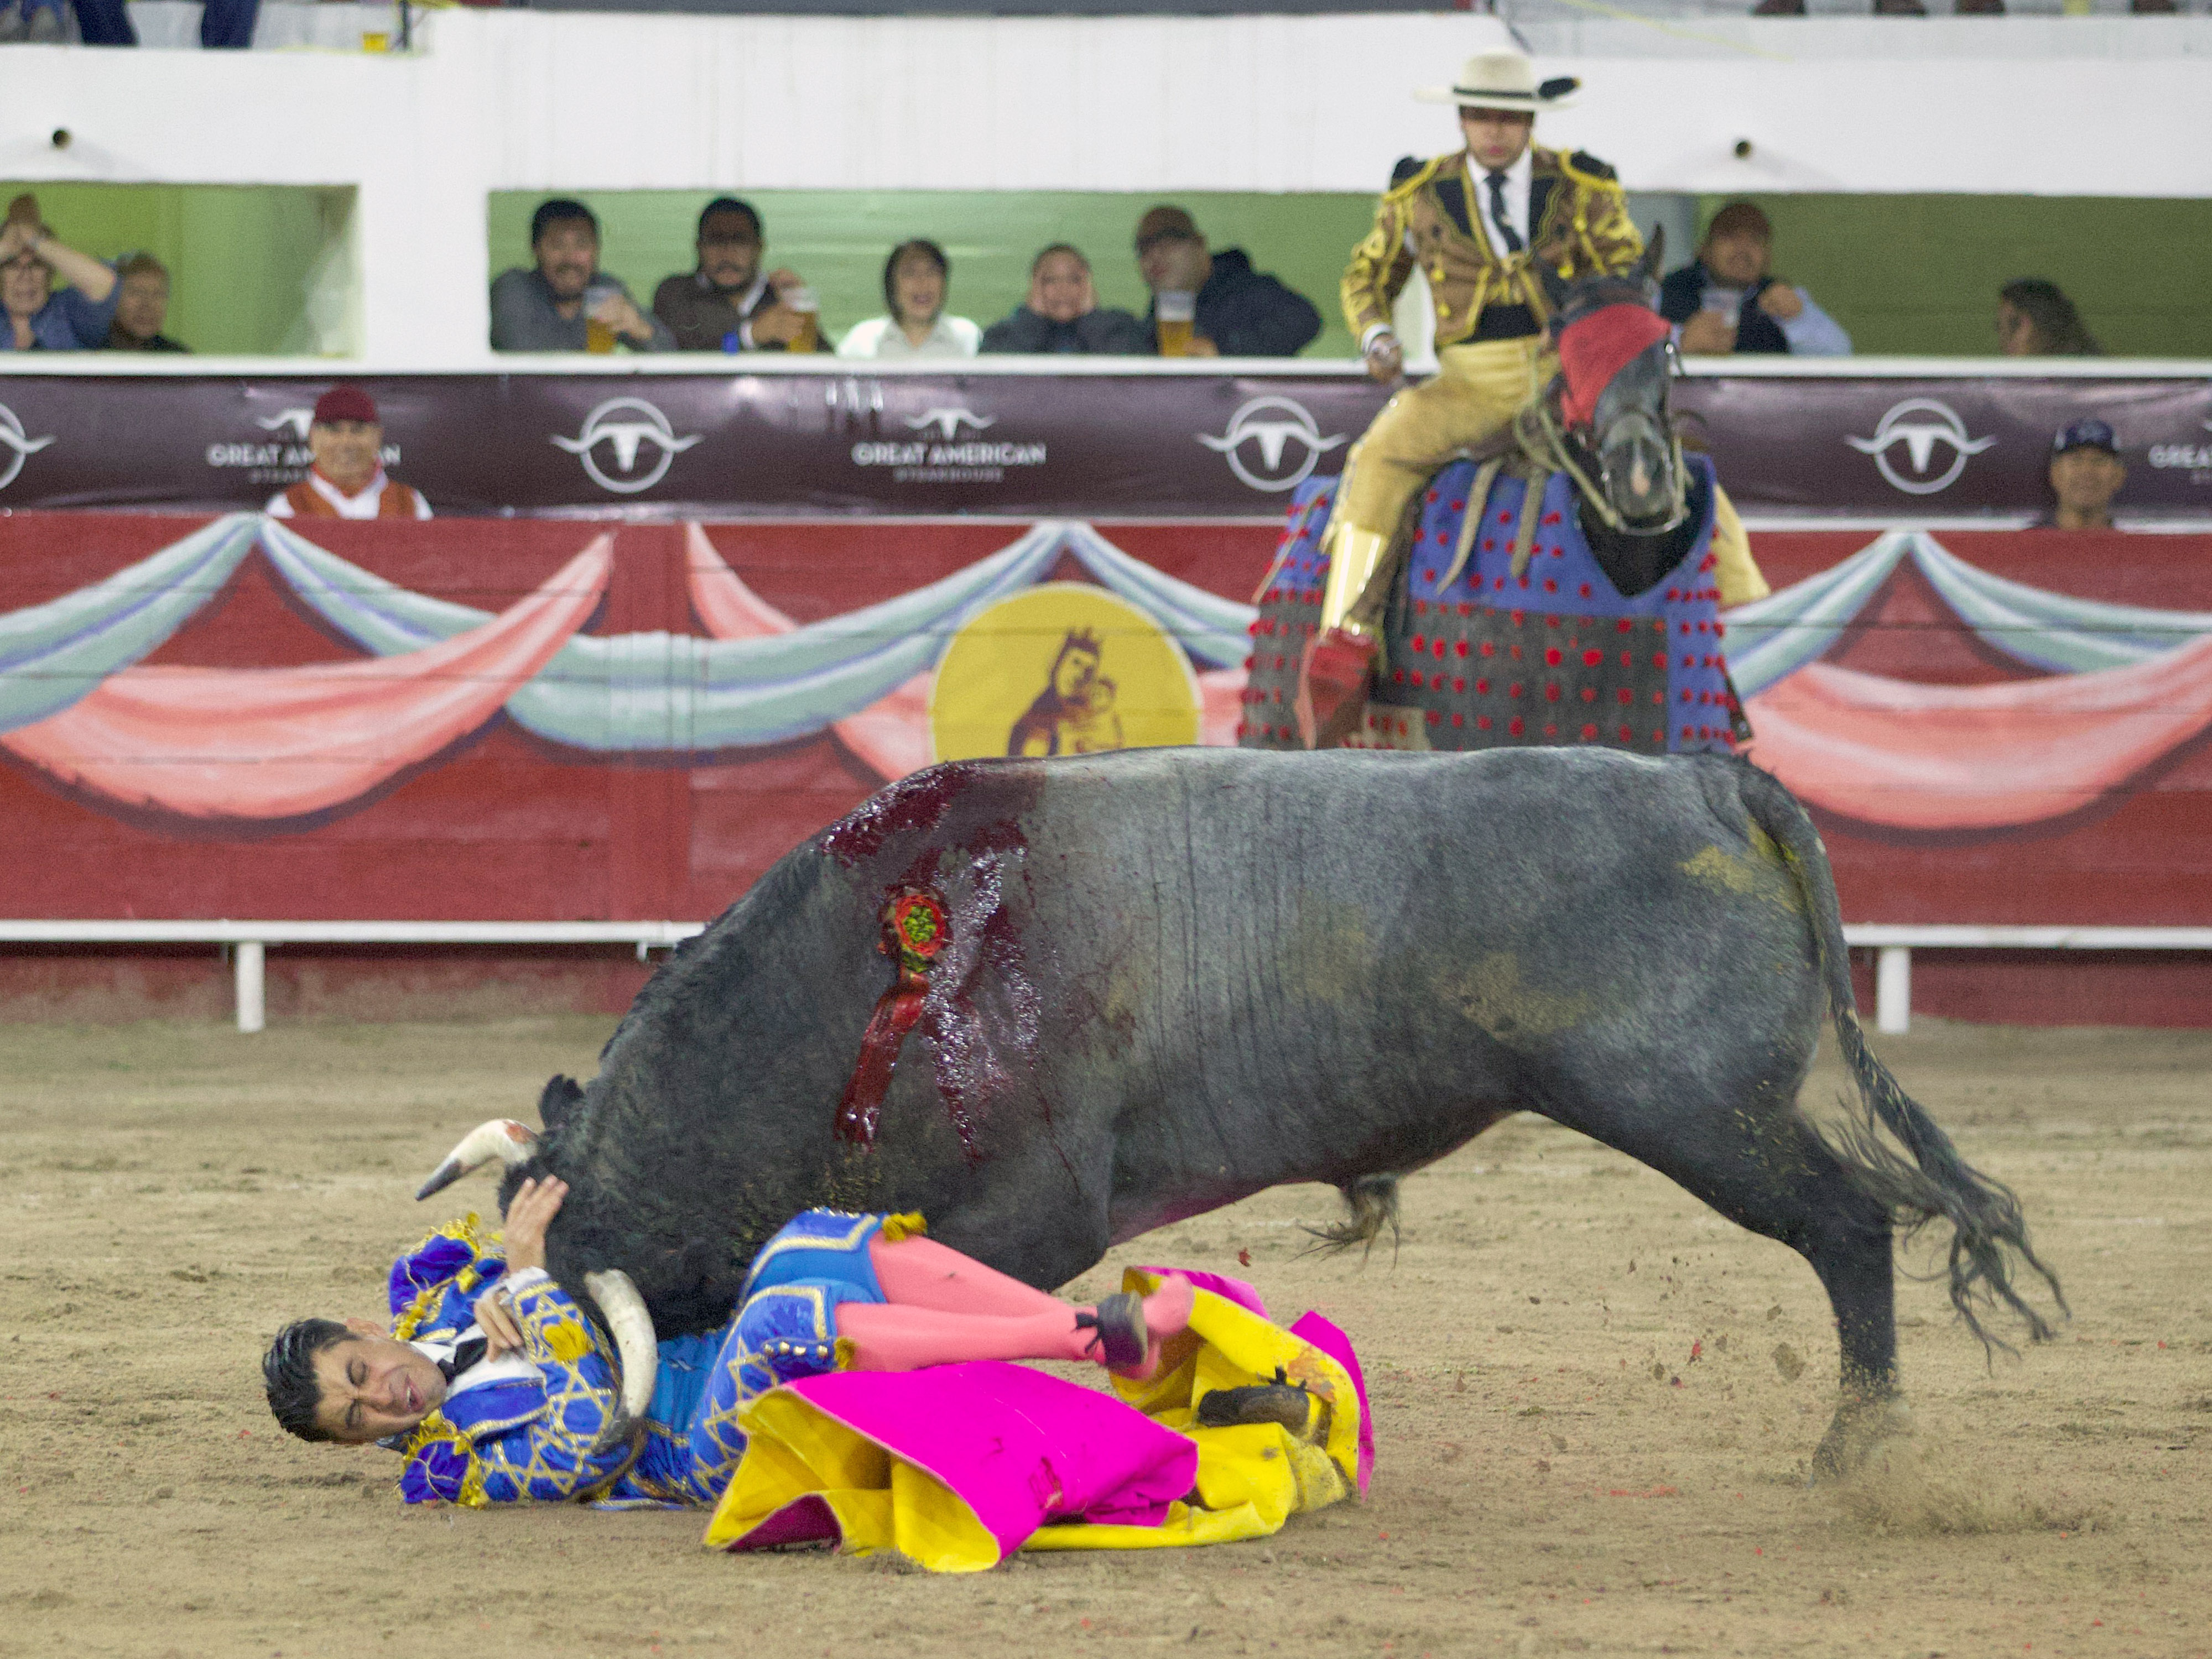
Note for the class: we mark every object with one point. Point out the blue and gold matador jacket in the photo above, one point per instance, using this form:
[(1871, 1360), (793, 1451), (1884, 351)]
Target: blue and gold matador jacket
[(521, 1439)]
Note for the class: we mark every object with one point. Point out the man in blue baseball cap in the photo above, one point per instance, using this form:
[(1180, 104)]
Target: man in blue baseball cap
[(2085, 472)]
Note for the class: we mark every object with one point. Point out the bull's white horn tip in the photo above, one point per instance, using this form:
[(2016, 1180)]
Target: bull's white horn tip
[(500, 1137), (440, 1178)]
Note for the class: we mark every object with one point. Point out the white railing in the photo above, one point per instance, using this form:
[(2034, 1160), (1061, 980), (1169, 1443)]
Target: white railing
[(1892, 974), (248, 942)]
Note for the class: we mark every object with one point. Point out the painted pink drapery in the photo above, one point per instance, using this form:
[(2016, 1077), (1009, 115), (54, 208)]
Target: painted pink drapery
[(1917, 756), (278, 743), (891, 735)]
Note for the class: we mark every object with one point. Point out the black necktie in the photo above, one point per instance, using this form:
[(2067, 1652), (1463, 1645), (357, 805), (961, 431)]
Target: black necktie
[(1499, 216), (467, 1353)]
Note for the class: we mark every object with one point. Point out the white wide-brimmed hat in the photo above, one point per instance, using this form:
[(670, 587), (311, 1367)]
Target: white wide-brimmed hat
[(1503, 79)]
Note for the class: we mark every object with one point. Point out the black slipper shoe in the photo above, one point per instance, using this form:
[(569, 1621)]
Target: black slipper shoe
[(1122, 1341)]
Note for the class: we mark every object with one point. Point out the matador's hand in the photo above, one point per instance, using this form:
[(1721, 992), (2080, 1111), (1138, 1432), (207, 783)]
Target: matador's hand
[(1386, 358), (503, 1331), (530, 1212)]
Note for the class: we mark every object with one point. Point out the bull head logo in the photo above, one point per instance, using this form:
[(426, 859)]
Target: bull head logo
[(295, 421), (1938, 424), (16, 446), (1273, 424), (645, 425), (948, 422)]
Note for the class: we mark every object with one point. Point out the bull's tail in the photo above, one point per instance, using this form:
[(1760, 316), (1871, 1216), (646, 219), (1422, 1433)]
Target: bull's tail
[(1988, 1229)]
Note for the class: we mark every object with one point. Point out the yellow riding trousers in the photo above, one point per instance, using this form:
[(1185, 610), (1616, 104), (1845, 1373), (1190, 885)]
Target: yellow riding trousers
[(1472, 397)]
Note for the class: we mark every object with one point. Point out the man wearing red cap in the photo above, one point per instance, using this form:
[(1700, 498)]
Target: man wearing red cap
[(347, 480)]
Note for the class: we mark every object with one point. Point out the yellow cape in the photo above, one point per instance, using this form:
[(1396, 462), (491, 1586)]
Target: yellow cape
[(1250, 1480)]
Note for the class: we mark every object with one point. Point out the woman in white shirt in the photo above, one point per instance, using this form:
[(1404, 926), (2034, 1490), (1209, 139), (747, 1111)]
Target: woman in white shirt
[(915, 280)]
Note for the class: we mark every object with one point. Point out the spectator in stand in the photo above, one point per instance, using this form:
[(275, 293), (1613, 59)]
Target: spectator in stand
[(915, 277), (555, 305), (38, 21), (2035, 319), (1241, 312), (224, 23), (1063, 314), (34, 315), (727, 304), (1728, 300), (144, 306), (347, 480), (2085, 472)]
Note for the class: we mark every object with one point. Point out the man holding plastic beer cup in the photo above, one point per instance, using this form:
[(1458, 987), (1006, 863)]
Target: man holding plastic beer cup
[(1213, 305)]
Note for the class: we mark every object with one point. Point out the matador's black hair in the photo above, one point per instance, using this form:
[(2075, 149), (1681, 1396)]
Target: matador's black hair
[(288, 1371)]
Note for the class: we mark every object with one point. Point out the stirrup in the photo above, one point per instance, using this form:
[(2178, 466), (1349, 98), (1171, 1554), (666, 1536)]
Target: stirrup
[(1119, 1341)]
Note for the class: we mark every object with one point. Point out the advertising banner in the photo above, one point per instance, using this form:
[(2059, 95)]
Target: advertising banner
[(530, 719), (1189, 446)]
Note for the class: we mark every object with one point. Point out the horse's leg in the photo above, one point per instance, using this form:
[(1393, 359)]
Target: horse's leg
[(1746, 1153)]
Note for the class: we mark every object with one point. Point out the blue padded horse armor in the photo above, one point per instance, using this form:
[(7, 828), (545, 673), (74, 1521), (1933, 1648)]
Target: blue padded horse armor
[(1478, 657)]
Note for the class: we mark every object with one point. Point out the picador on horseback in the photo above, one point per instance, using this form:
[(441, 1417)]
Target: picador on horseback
[(1518, 551)]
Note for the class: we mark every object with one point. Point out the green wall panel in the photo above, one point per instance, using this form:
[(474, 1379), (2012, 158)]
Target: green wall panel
[(838, 239), (269, 269), (1905, 274), (243, 260)]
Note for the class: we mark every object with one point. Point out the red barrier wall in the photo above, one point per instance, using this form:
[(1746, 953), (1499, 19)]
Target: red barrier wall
[(503, 826)]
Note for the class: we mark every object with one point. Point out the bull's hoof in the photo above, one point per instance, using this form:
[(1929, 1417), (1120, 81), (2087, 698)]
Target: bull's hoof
[(1285, 1403), (1860, 1426)]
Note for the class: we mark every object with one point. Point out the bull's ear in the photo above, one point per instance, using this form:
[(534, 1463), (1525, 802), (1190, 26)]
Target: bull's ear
[(553, 1105), (1655, 251)]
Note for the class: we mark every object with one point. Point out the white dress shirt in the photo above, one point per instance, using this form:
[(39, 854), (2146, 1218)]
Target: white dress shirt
[(1518, 179), (879, 337), (487, 1369)]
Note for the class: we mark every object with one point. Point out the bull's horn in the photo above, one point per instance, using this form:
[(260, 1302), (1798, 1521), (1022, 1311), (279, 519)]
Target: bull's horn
[(502, 1139), (632, 1326)]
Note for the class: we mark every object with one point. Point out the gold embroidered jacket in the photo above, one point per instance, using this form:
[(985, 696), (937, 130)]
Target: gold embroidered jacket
[(1577, 211)]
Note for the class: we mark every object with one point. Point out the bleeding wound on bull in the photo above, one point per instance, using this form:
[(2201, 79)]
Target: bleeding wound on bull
[(915, 933)]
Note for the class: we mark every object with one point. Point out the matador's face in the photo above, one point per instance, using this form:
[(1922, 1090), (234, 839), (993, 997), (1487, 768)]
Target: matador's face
[(373, 1387), (1496, 138)]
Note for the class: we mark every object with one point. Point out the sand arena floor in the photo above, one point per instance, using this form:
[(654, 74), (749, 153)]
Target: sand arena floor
[(1595, 1399)]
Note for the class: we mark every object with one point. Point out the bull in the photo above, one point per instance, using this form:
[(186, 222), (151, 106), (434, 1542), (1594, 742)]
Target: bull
[(1162, 980)]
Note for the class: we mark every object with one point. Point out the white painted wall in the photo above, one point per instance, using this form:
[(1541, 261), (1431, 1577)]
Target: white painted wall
[(522, 99)]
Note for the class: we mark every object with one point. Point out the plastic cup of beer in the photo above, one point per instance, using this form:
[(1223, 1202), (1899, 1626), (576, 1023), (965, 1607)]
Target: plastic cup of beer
[(599, 338), (803, 301), (1176, 318)]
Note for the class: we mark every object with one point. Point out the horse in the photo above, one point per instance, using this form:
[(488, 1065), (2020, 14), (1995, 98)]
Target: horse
[(1559, 587)]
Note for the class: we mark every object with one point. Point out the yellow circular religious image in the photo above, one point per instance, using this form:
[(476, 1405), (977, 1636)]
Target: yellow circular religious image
[(1063, 668)]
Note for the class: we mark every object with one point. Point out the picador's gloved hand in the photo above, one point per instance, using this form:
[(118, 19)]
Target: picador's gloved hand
[(1333, 686)]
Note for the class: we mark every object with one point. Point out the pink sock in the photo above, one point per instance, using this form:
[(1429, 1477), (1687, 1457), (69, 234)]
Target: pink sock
[(1167, 1310), (920, 1273), (888, 1337)]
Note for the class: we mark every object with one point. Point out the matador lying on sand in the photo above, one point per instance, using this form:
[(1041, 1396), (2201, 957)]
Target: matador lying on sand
[(859, 1395)]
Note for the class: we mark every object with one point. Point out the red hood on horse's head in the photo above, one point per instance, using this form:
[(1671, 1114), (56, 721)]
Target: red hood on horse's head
[(1615, 431)]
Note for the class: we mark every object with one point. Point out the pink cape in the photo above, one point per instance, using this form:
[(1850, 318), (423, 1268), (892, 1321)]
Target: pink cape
[(1020, 1448), (1015, 1450)]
